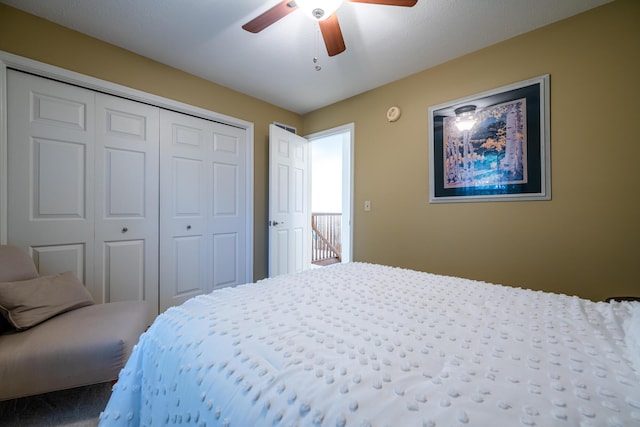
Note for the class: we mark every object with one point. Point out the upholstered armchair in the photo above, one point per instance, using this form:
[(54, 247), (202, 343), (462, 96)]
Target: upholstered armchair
[(52, 334)]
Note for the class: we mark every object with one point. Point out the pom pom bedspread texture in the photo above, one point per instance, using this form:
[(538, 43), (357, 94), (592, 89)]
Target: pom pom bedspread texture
[(369, 345)]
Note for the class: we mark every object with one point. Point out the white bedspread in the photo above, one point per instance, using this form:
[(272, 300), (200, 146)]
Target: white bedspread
[(369, 345)]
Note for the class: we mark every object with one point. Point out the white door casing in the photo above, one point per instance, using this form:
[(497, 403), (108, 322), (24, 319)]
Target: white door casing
[(289, 202), (347, 134)]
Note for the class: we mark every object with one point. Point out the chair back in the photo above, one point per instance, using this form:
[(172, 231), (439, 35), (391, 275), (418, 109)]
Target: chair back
[(16, 264)]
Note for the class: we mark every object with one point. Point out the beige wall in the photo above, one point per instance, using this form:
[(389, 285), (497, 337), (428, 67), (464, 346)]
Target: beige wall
[(584, 241), (31, 37)]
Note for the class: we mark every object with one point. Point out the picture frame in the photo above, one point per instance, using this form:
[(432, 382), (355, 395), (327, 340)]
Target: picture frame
[(492, 146)]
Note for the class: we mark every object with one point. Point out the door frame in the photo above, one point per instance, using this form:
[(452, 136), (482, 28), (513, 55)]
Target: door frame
[(348, 181), (9, 60)]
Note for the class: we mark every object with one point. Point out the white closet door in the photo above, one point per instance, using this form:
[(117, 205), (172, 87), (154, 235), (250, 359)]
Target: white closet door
[(202, 207), (227, 220), (139, 202), (185, 186), (127, 218), (50, 155)]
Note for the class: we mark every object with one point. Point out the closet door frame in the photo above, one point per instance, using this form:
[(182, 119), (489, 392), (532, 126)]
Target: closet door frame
[(9, 60)]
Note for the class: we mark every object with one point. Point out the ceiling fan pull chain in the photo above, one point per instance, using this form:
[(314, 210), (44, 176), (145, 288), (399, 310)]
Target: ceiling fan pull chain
[(316, 59)]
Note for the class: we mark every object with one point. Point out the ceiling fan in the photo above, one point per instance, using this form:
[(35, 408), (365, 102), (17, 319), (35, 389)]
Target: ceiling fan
[(322, 11)]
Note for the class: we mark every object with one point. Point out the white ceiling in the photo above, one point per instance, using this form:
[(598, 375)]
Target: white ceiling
[(384, 43)]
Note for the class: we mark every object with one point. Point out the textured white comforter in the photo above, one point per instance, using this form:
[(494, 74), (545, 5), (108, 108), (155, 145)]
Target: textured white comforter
[(369, 345)]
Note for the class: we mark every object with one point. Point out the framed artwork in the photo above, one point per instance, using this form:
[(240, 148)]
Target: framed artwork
[(492, 146)]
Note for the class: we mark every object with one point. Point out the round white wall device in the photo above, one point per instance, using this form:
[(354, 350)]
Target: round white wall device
[(393, 114)]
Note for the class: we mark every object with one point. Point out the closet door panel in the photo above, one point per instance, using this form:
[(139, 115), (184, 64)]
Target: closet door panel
[(127, 217), (125, 184), (58, 179), (184, 201), (50, 204), (188, 187), (124, 270), (59, 258), (188, 266), (225, 194), (226, 255), (227, 222)]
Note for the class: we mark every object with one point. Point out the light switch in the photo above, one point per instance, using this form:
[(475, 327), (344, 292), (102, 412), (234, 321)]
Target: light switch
[(367, 205)]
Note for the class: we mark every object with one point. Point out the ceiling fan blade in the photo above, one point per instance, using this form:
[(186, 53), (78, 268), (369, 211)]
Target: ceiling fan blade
[(332, 35), (405, 3), (272, 15)]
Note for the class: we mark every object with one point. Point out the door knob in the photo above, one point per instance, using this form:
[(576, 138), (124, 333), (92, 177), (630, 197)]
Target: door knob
[(274, 223), (125, 229)]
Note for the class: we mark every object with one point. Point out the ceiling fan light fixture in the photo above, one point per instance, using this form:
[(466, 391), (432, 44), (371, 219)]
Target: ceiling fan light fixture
[(319, 10), (465, 117)]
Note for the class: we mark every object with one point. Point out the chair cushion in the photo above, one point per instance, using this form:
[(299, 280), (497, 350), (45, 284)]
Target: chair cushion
[(15, 264), (89, 345), (27, 303)]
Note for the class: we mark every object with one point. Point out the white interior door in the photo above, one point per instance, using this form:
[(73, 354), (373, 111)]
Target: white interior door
[(289, 202), (50, 173), (127, 194)]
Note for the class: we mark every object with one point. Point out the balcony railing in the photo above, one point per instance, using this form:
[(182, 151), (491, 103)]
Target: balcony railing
[(326, 238)]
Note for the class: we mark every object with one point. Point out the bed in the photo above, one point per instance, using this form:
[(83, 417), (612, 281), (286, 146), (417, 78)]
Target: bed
[(369, 345)]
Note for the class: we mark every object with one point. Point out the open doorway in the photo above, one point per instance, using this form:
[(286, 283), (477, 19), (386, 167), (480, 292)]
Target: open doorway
[(331, 190)]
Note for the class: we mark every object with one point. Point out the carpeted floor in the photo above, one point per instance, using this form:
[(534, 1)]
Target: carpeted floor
[(78, 407)]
